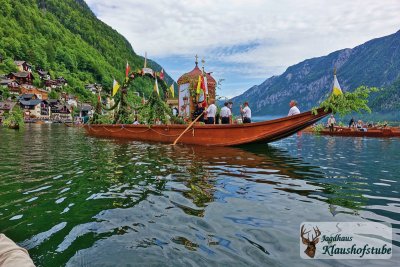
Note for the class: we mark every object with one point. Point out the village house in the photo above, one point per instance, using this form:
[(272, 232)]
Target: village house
[(93, 87), (5, 82), (58, 111), (62, 113), (57, 83), (45, 110), (23, 66), (31, 108), (85, 110), (43, 75), (22, 77), (29, 89)]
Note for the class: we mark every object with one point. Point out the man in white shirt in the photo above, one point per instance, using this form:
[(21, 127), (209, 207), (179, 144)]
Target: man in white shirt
[(293, 108), (211, 112), (331, 123), (226, 114), (246, 112)]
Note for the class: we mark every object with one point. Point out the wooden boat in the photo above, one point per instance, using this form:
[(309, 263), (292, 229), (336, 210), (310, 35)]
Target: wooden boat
[(371, 132), (210, 135)]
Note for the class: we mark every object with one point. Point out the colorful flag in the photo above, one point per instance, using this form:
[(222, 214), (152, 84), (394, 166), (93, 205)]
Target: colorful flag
[(198, 85), (162, 74), (172, 90), (336, 87), (128, 68), (156, 87), (115, 88)]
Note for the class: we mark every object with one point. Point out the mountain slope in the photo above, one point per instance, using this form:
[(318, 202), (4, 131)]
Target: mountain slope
[(374, 63), (66, 38)]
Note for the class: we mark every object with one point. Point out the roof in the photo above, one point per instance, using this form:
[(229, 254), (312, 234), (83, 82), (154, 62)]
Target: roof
[(85, 107), (53, 100), (22, 74), (6, 81), (42, 72), (32, 102), (27, 96), (194, 74)]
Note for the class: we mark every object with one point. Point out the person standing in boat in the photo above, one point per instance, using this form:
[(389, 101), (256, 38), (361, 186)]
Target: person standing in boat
[(198, 111), (294, 110), (352, 122), (211, 112), (331, 123), (246, 112), (230, 105), (226, 114)]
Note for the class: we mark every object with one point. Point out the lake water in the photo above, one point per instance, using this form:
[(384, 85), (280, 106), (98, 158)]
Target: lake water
[(80, 201)]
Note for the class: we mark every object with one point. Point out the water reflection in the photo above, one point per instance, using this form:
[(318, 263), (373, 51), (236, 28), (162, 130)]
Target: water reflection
[(79, 200)]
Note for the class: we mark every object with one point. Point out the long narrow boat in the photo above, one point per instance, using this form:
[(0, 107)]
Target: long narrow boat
[(210, 135), (371, 132)]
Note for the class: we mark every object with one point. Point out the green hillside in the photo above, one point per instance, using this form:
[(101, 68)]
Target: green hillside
[(66, 38)]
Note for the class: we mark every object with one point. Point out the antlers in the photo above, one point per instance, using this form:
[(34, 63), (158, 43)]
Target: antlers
[(307, 240), (303, 232)]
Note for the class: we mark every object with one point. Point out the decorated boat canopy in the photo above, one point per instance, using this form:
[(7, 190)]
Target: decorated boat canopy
[(194, 87)]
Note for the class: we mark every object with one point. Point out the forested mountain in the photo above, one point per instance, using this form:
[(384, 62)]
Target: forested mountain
[(374, 63), (66, 38)]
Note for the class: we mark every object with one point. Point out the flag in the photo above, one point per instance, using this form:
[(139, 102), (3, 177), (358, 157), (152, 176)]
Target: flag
[(172, 90), (115, 88), (156, 87), (198, 85), (128, 68), (336, 87), (162, 74)]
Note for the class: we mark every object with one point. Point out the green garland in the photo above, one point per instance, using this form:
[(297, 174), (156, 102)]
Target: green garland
[(347, 102), (155, 109)]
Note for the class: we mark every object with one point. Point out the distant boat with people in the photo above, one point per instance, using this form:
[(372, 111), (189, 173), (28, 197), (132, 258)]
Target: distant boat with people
[(368, 132)]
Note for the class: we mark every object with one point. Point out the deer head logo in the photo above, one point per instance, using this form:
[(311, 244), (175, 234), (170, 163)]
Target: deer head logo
[(310, 250)]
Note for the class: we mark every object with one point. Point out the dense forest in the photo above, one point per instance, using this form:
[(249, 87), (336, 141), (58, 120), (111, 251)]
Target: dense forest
[(66, 38)]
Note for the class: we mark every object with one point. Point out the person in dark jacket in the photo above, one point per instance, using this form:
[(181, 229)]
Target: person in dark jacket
[(199, 110)]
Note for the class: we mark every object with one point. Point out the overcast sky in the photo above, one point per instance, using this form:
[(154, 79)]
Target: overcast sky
[(245, 41)]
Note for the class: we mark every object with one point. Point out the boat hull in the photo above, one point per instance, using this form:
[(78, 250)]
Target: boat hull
[(210, 135), (379, 133)]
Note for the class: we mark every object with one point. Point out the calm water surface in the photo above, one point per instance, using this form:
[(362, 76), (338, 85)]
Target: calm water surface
[(75, 200)]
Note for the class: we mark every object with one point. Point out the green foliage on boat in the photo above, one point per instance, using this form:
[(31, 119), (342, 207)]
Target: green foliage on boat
[(318, 128), (348, 102)]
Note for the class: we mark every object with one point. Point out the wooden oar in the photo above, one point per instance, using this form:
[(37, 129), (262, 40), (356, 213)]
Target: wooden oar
[(190, 125)]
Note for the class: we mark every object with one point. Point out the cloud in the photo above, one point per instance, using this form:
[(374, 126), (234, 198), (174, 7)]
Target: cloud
[(253, 37)]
